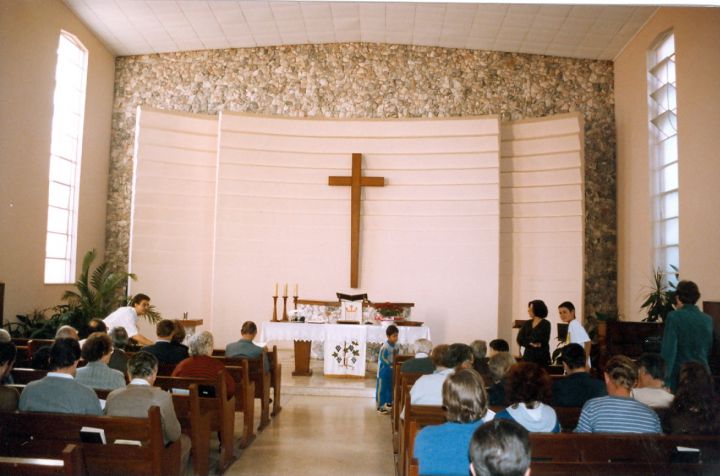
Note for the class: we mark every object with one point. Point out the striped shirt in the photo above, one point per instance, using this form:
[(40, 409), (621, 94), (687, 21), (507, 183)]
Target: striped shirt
[(617, 415)]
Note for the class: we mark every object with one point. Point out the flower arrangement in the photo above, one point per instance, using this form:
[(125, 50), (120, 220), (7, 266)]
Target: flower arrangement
[(389, 310)]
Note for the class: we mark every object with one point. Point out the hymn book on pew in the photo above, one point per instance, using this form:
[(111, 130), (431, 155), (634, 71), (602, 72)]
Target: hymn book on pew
[(89, 434)]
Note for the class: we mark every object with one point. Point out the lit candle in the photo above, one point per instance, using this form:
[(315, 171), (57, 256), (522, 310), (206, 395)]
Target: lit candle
[(285, 290), (296, 290), (276, 290)]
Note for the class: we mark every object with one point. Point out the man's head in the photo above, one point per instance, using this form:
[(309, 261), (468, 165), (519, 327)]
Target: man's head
[(573, 357), (8, 352), (500, 448), (651, 367), (179, 334), (67, 332), (143, 365), (5, 336), (479, 348), (141, 303), (498, 345), (248, 330), (687, 292), (65, 354), (97, 346), (566, 311), (119, 337), (499, 364), (201, 344), (459, 355), (392, 333), (423, 346), (164, 329), (439, 354), (620, 375)]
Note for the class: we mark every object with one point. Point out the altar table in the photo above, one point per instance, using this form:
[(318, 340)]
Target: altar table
[(351, 339)]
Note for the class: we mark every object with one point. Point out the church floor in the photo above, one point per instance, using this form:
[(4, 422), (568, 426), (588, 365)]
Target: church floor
[(326, 426)]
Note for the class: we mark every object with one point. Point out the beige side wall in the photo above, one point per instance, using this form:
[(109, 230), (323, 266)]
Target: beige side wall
[(697, 36), (29, 33)]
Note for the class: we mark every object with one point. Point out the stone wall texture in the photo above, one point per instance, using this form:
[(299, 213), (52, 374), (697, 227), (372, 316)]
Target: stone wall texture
[(378, 81)]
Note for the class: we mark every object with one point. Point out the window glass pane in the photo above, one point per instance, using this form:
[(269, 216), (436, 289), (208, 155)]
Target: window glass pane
[(58, 220), (664, 97), (56, 270), (65, 122), (671, 232), (669, 180), (667, 151), (666, 124), (56, 246), (672, 257), (67, 100), (669, 205), (59, 195), (64, 146), (61, 170), (666, 48)]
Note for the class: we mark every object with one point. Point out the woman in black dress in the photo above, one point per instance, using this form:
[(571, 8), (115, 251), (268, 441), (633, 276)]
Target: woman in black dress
[(534, 335)]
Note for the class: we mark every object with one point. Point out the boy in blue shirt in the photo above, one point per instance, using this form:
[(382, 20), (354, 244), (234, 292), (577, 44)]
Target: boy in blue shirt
[(383, 389)]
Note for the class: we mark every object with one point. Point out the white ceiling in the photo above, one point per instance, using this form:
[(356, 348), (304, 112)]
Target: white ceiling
[(133, 27)]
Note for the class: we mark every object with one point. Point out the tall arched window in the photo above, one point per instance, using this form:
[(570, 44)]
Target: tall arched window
[(65, 155), (663, 127)]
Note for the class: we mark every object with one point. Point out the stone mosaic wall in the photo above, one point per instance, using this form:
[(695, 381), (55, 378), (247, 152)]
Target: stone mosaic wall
[(378, 81)]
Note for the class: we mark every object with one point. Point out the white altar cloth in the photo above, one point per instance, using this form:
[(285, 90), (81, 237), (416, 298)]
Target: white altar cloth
[(345, 345)]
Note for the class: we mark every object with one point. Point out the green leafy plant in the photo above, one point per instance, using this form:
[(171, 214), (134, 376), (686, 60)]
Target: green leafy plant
[(388, 309), (35, 325), (660, 297)]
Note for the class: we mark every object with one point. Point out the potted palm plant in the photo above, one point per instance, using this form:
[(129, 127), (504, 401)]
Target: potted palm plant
[(660, 297)]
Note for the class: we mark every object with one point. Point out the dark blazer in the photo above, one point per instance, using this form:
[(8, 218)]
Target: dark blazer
[(576, 389), (422, 365), (539, 334), (167, 352)]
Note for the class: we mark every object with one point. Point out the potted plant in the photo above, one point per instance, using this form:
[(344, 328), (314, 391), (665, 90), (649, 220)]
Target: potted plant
[(388, 311), (660, 298)]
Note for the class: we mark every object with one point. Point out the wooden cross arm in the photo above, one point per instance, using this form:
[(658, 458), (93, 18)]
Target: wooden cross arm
[(364, 181)]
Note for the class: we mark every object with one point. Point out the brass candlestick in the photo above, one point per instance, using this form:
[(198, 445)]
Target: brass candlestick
[(295, 299), (274, 319), (285, 316)]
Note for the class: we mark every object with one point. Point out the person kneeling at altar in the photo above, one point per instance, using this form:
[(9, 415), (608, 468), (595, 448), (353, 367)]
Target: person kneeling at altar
[(245, 346), (201, 365), (443, 449), (136, 399)]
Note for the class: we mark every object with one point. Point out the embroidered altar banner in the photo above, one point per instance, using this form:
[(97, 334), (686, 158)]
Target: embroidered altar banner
[(345, 348)]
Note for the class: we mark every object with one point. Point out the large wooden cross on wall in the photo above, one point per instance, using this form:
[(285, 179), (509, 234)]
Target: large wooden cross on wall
[(356, 181)]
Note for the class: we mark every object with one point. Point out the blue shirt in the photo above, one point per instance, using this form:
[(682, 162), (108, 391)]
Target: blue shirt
[(617, 415)]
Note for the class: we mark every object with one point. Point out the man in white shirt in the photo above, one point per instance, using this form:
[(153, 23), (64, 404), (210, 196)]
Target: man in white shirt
[(127, 317), (427, 390), (576, 332), (650, 387)]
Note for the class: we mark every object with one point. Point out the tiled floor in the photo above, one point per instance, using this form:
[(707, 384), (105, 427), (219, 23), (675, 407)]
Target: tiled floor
[(327, 426)]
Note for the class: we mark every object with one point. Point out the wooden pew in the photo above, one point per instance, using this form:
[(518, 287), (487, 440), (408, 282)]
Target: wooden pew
[(416, 416), (397, 363), (22, 359), (23, 376), (26, 434), (401, 392), (260, 376), (196, 424), (35, 344), (220, 411), (275, 379), (71, 464)]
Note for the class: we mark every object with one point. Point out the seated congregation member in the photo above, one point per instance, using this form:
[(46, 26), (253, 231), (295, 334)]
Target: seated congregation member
[(650, 387), (67, 332), (136, 399), (5, 336), (8, 396), (696, 407), (127, 317), (200, 365), (500, 448), (534, 335), (386, 357), (118, 358), (480, 362), (427, 390), (499, 365), (578, 386), (245, 347), (442, 449), (59, 392), (178, 336), (163, 349), (576, 333), (41, 357), (95, 325), (96, 374), (618, 412), (421, 362), (528, 386), (497, 346)]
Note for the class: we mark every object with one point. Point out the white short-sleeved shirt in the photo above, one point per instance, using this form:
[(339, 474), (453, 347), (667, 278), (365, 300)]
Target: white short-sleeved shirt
[(123, 317), (577, 333)]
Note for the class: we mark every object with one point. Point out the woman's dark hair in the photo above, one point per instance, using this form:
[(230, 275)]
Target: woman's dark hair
[(464, 397), (64, 352), (567, 305), (687, 292), (8, 352), (499, 345), (96, 346), (527, 383), (695, 398), (179, 333), (539, 308)]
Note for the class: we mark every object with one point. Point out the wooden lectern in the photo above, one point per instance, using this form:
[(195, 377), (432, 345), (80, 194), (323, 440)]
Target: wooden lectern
[(190, 325)]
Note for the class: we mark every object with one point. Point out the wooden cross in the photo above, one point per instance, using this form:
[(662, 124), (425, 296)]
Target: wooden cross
[(355, 181)]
